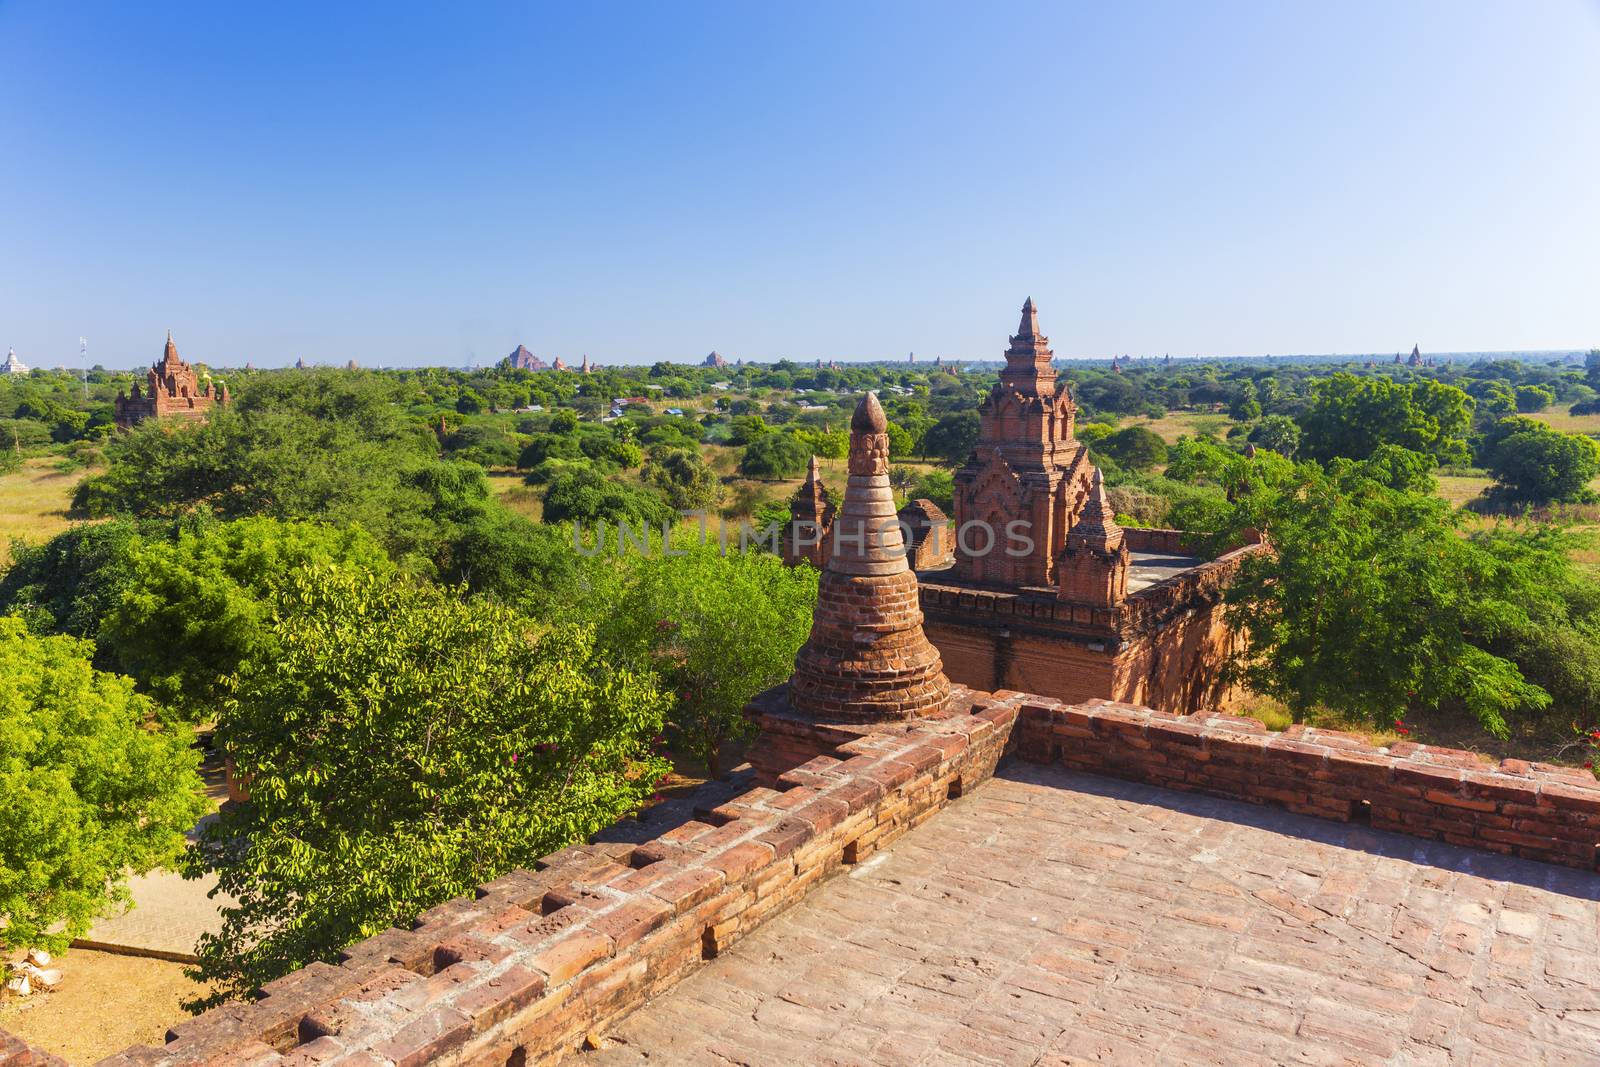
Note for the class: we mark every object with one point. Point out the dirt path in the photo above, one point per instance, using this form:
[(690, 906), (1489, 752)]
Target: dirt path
[(104, 1004)]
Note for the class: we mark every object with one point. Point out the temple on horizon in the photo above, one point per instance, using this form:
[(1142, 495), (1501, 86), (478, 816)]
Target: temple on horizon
[(171, 391)]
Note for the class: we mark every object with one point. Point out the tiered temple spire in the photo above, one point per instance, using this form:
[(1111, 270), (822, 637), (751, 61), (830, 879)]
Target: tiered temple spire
[(1093, 567), (867, 659), (811, 514)]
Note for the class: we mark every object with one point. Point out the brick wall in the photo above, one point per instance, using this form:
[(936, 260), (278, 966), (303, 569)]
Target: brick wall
[(540, 959), (1532, 810)]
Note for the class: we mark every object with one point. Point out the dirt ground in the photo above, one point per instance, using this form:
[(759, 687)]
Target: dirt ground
[(104, 1004)]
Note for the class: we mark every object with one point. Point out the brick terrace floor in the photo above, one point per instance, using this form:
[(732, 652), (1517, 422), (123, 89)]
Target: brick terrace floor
[(1060, 918)]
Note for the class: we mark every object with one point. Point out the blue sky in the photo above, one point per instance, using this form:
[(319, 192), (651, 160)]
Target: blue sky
[(434, 183)]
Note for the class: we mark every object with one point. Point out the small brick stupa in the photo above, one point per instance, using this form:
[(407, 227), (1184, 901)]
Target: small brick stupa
[(811, 513), (867, 660)]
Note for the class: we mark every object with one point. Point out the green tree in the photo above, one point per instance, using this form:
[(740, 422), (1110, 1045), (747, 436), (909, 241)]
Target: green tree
[(952, 437), (403, 746), (716, 629), (583, 494), (1534, 464), (688, 483), (1371, 602), (901, 442), (1532, 398), (1134, 447), (1351, 417), (1246, 406), (92, 794), (189, 611), (773, 456), (1278, 433), (69, 583)]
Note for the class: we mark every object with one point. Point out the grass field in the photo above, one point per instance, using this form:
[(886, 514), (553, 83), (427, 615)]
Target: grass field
[(1561, 418), (34, 502), (1176, 424)]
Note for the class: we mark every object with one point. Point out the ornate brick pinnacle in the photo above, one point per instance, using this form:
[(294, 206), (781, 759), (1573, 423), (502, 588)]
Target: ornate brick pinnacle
[(1097, 527), (867, 659)]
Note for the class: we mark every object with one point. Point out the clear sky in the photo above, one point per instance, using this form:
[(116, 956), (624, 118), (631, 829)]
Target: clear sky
[(436, 182)]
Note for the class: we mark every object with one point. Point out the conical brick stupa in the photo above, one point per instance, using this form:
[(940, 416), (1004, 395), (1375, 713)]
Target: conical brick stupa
[(867, 659)]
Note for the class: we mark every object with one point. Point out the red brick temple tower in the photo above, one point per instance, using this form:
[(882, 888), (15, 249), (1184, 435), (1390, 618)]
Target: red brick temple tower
[(172, 391), (1093, 566), (867, 660), (1027, 466), (810, 517)]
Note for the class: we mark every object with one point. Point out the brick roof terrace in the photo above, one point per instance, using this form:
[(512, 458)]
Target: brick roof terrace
[(1056, 917)]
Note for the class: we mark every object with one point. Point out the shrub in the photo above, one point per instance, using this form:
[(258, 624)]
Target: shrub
[(92, 795), (404, 746)]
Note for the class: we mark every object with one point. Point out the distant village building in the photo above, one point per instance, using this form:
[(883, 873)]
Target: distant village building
[(521, 359), (714, 360), (13, 365), (172, 391)]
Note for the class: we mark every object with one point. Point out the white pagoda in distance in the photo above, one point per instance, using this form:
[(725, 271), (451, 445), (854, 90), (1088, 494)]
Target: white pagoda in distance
[(13, 365)]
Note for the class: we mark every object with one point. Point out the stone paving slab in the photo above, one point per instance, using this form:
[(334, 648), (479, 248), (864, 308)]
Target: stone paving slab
[(167, 918), (1058, 918)]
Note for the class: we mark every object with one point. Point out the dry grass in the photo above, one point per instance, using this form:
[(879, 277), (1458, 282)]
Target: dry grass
[(105, 1003), (1175, 424), (508, 487), (1457, 490), (34, 502), (1562, 418)]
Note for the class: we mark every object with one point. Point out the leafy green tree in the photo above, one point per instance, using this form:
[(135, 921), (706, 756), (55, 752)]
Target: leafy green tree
[(688, 483), (1371, 602), (1133, 447), (742, 429), (92, 795), (1246, 405), (773, 456), (403, 746), (69, 583), (189, 611), (952, 437), (716, 629), (322, 446), (583, 494), (937, 486), (1532, 398), (1276, 432), (1351, 417), (901, 443), (1534, 464)]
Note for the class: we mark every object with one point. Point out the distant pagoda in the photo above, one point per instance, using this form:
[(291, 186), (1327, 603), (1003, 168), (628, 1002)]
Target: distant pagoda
[(172, 391)]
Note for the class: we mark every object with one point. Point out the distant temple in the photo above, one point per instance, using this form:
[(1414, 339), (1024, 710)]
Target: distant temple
[(558, 364), (714, 360), (521, 359), (586, 368), (13, 365), (1416, 356), (172, 391)]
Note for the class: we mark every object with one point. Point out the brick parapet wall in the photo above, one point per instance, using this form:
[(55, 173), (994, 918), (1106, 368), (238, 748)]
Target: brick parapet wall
[(538, 960), (1150, 539), (1146, 611), (1533, 810)]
